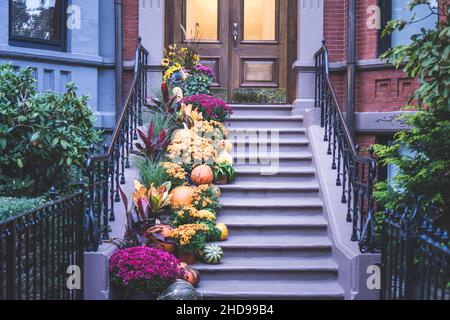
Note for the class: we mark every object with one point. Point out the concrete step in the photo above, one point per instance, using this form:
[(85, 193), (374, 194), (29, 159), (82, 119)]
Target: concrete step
[(274, 160), (288, 175), (267, 133), (267, 110), (267, 225), (270, 190), (266, 122), (270, 269), (271, 290), (255, 145)]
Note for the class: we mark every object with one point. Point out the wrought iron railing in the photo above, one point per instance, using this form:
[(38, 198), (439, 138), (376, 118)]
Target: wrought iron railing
[(106, 172), (355, 173), (40, 249), (415, 256)]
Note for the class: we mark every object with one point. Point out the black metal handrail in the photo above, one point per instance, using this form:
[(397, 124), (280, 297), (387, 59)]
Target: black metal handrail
[(39, 248), (355, 173), (415, 255), (106, 172)]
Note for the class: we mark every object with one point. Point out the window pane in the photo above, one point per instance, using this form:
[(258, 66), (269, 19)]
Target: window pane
[(400, 10), (202, 19), (259, 20), (39, 19)]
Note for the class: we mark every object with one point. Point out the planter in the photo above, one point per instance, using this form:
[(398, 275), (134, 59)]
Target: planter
[(141, 296), (188, 258), (222, 181)]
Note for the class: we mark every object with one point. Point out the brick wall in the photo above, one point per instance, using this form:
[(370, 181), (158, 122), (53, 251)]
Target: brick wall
[(130, 17), (130, 39)]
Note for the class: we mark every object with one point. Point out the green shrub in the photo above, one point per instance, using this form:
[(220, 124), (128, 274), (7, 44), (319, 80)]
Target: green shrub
[(10, 207), (43, 136), (197, 84), (259, 95)]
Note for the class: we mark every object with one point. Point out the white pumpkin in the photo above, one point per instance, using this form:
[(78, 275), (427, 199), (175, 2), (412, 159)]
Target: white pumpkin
[(228, 146), (225, 157)]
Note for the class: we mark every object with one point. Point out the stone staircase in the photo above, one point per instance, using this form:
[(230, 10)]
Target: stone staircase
[(278, 246)]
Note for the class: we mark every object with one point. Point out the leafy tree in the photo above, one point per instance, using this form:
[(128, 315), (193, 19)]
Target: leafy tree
[(426, 171)]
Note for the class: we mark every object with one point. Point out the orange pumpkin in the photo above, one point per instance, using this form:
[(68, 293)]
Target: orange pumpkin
[(192, 276), (202, 175), (182, 196)]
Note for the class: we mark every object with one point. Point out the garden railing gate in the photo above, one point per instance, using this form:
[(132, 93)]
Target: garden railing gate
[(415, 256), (41, 250), (355, 173)]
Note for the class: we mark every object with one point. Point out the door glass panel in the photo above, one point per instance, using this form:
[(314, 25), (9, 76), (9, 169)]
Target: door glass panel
[(202, 19), (259, 20)]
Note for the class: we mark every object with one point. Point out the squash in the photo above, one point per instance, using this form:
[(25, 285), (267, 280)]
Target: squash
[(182, 196), (223, 230), (180, 290), (212, 254), (191, 275), (202, 175), (225, 157)]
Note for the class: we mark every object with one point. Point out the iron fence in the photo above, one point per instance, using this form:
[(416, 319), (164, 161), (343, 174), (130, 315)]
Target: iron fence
[(356, 174), (415, 256), (37, 250)]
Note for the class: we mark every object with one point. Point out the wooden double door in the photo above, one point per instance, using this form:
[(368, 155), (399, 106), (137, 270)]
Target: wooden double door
[(250, 44)]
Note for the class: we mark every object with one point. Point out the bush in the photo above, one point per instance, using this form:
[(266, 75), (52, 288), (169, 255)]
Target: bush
[(197, 84), (44, 137), (211, 107), (10, 207)]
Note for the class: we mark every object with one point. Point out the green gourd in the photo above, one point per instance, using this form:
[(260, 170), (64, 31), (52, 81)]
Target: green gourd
[(212, 254)]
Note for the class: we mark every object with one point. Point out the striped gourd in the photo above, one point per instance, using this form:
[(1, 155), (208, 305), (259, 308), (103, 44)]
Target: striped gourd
[(212, 254)]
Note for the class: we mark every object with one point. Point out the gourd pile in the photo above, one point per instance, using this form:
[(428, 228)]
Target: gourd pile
[(183, 158)]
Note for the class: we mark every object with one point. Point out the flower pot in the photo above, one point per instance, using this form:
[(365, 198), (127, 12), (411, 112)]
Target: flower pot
[(188, 258), (141, 296), (222, 181)]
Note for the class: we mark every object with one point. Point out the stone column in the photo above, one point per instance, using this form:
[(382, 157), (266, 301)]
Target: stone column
[(151, 30), (310, 35)]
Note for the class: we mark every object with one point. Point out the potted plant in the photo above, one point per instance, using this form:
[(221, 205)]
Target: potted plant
[(148, 206), (143, 273), (190, 239), (224, 173)]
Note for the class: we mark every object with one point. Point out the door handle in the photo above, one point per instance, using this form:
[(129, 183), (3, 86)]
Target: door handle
[(235, 34)]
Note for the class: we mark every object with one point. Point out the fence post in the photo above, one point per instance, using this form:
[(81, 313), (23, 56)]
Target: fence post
[(11, 270)]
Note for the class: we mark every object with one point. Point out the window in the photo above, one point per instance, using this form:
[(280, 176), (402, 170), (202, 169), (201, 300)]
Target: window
[(202, 20), (260, 20), (398, 9), (37, 23)]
